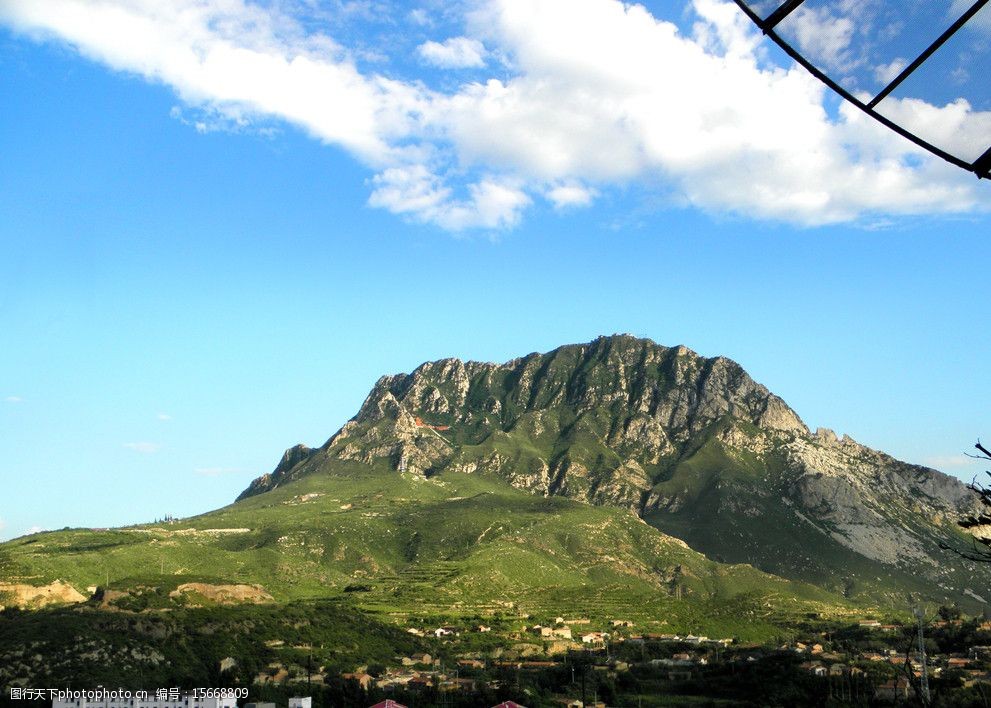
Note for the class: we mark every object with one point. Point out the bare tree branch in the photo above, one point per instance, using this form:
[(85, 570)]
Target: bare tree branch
[(980, 550)]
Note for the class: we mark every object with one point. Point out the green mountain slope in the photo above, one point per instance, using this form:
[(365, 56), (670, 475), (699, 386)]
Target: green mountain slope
[(692, 445), (401, 543)]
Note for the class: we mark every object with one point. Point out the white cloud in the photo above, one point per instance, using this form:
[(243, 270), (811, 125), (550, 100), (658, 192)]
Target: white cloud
[(453, 53), (164, 416), (981, 21), (954, 126), (570, 195), (417, 192), (419, 16), (14, 399), (3, 525), (34, 530), (145, 448), (886, 73), (587, 92), (823, 36)]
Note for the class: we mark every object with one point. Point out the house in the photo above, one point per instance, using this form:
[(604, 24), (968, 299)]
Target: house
[(562, 632), (301, 702), (443, 631), (593, 638), (417, 659), (508, 704), (869, 624), (975, 675), (663, 637), (227, 663), (471, 663), (814, 667), (388, 703), (622, 623), (893, 690), (686, 658), (980, 652), (364, 680), (483, 628), (459, 684)]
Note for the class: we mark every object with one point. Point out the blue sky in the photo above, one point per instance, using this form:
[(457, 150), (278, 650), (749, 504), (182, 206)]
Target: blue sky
[(201, 268)]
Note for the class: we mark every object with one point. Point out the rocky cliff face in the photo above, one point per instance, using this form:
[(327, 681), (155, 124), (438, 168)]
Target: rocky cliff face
[(592, 421), (693, 445)]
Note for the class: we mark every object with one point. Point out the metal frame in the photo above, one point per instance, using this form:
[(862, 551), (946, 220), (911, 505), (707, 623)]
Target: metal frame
[(980, 167)]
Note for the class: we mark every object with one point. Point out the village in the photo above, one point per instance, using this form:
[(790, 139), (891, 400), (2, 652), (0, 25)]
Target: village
[(565, 662)]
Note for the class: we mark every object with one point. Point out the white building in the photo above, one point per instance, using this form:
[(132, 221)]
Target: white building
[(142, 699), (300, 702)]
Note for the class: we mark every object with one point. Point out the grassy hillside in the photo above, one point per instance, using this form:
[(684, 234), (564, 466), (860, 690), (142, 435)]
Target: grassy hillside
[(454, 544)]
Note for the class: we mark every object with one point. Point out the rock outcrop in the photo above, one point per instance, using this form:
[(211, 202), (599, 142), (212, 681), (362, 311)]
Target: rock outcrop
[(36, 596)]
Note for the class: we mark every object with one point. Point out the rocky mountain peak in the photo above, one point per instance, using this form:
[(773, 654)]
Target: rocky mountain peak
[(674, 385), (641, 401), (693, 445)]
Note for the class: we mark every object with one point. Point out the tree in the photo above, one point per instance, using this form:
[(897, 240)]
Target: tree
[(948, 612), (980, 549)]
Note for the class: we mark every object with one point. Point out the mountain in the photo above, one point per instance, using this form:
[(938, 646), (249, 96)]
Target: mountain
[(692, 445), (613, 478)]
